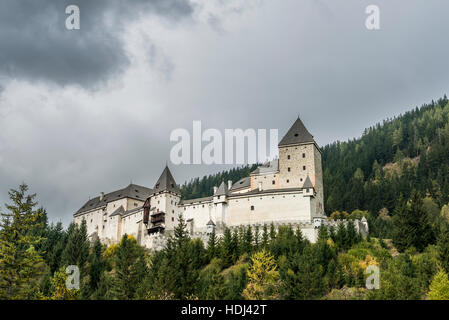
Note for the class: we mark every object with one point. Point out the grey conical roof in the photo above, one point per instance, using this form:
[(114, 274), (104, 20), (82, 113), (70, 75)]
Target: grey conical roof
[(210, 223), (222, 189), (307, 183), (297, 134), (166, 182)]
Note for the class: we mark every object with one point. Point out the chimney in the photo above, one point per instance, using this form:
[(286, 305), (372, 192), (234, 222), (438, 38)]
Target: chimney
[(101, 196), (260, 186), (229, 184), (215, 190)]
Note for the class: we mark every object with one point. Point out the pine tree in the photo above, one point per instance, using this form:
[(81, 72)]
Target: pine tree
[(20, 262), (443, 247), (130, 268), (265, 237), (272, 232), (247, 243), (302, 276), (227, 248), (412, 226), (403, 229), (212, 245), (96, 267), (76, 251)]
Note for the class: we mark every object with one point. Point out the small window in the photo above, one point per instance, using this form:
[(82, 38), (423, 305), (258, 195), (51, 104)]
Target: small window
[(303, 167), (172, 219), (288, 181), (173, 211), (288, 157), (273, 182), (300, 179), (303, 155), (288, 169), (252, 208)]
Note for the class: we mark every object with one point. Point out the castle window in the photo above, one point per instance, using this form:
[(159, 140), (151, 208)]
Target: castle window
[(303, 167), (288, 157), (288, 169), (273, 182), (173, 211), (288, 181), (172, 219), (300, 179), (252, 208), (135, 204), (303, 155), (203, 205)]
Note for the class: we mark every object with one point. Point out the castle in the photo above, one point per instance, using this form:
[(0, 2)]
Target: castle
[(287, 190)]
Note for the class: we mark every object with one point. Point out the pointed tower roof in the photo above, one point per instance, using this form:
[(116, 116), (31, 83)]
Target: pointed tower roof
[(222, 189), (297, 134), (210, 223), (166, 182), (308, 183)]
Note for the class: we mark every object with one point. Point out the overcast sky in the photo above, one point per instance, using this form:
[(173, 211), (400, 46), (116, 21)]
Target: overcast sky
[(90, 110)]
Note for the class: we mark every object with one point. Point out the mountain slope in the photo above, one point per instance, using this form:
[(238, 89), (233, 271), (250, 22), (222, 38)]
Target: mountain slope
[(404, 153)]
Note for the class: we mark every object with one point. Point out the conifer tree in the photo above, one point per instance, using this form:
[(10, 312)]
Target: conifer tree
[(265, 236), (20, 262), (130, 268), (443, 247), (439, 288), (212, 245), (96, 267), (227, 248)]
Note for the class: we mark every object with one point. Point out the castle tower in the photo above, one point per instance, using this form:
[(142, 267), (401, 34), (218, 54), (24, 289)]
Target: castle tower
[(162, 204), (220, 200), (300, 163)]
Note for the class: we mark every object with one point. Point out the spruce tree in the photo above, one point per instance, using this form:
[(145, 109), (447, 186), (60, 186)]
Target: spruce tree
[(130, 269), (20, 262), (226, 253), (212, 245), (443, 247), (265, 236)]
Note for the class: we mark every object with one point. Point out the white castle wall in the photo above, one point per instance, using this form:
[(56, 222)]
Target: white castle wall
[(285, 206)]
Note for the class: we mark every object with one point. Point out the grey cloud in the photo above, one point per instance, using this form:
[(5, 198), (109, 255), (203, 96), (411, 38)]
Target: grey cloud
[(34, 43)]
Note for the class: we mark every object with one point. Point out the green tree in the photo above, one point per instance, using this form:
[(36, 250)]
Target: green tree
[(443, 247), (302, 276), (263, 277), (130, 269), (439, 288), (96, 267), (212, 245), (20, 262)]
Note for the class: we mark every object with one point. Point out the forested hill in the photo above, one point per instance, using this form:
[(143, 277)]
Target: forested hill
[(401, 154), (197, 188)]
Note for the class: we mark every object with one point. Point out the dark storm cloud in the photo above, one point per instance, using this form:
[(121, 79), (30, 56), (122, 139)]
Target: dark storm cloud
[(34, 43)]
